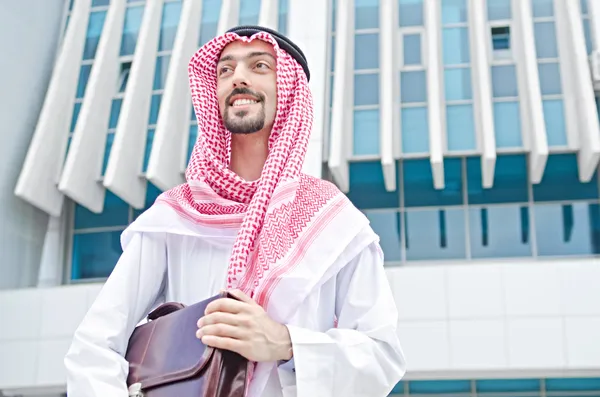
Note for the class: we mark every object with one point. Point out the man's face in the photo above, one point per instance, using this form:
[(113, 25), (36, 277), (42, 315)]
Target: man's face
[(247, 86)]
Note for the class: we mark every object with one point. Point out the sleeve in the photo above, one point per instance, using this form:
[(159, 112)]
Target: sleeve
[(95, 362), (362, 356)]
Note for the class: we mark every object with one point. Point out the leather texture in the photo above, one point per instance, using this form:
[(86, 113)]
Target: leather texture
[(167, 360)]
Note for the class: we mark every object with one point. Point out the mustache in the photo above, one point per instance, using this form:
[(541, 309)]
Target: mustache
[(244, 91)]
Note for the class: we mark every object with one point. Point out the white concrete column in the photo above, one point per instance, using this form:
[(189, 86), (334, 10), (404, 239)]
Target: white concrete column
[(230, 15), (269, 14), (388, 81)]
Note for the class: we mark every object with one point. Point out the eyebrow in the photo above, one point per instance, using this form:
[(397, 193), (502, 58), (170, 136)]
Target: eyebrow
[(251, 55)]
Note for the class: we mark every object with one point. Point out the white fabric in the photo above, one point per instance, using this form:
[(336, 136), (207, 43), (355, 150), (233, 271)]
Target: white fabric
[(362, 357)]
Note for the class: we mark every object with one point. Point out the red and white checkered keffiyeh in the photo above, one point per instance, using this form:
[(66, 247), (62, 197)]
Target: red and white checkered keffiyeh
[(275, 210)]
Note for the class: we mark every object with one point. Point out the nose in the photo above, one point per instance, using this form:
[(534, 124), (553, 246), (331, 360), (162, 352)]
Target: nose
[(240, 77)]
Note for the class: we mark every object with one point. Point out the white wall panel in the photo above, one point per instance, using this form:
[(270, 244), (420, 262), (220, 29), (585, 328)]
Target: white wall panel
[(269, 14), (230, 14), (388, 81)]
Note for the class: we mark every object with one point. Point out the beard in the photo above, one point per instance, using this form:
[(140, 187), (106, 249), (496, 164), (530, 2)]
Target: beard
[(238, 121)]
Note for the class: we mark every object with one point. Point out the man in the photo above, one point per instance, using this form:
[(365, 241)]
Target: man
[(315, 310)]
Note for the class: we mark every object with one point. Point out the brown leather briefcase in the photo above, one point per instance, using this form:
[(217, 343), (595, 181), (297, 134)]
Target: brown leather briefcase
[(166, 359)]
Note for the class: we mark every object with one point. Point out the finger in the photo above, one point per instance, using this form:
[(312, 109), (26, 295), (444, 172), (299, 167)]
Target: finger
[(239, 294), (226, 305), (219, 318), (218, 342), (222, 330)]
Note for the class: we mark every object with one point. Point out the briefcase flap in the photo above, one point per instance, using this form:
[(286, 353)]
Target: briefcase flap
[(166, 349)]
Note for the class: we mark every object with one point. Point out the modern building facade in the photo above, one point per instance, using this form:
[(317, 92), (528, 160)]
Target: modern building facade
[(466, 130)]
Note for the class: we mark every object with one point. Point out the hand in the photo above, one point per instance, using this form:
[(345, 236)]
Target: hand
[(245, 328)]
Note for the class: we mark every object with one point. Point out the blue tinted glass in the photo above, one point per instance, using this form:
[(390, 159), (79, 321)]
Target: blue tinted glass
[(507, 385), (366, 132), (131, 29), (561, 181), (545, 40), (331, 87), (415, 130), (460, 127), (507, 125), (168, 28), (154, 109), (192, 139), (367, 189), (160, 73), (94, 31), (366, 14), (501, 38), (454, 11), (411, 12), (283, 17), (457, 84), (332, 53), (573, 384), (542, 8), (412, 49), (588, 35), (249, 10), (211, 9), (434, 234), (152, 193), (108, 147), (418, 183), (75, 117), (504, 81), (387, 225), (115, 213), (71, 5), (95, 254), (584, 10), (84, 75), (413, 87), (366, 89), (149, 141), (456, 46), (554, 118), (439, 386), (115, 111), (510, 181), (549, 78), (498, 10), (366, 51), (98, 3), (567, 229), (333, 14), (500, 231)]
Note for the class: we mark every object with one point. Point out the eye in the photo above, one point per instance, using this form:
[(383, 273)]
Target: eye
[(263, 65), (224, 69)]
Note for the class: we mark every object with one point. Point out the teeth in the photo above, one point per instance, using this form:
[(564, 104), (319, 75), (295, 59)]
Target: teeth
[(241, 102)]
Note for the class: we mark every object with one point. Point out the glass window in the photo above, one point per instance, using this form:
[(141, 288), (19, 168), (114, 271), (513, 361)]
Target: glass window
[(439, 386), (332, 54), (572, 384), (434, 234), (510, 181), (413, 87), (168, 29), (366, 14), (507, 125), (561, 181), (454, 11), (457, 84), (115, 213), (366, 51), (249, 10), (366, 89), (507, 385), (84, 75), (501, 38), (584, 10), (110, 138), (367, 189), (498, 10), (411, 12), (94, 31), (124, 76), (418, 183), (283, 17), (366, 132), (504, 81), (550, 78), (542, 8), (75, 117), (499, 231), (415, 130), (460, 127), (99, 3), (152, 193), (95, 254), (192, 139), (412, 49), (456, 46), (545, 40), (588, 35), (149, 141), (386, 223), (160, 73), (115, 112), (567, 229), (154, 109), (71, 5), (131, 29), (211, 10), (554, 118)]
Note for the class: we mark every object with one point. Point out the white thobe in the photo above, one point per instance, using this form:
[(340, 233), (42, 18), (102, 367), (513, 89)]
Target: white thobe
[(360, 357)]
